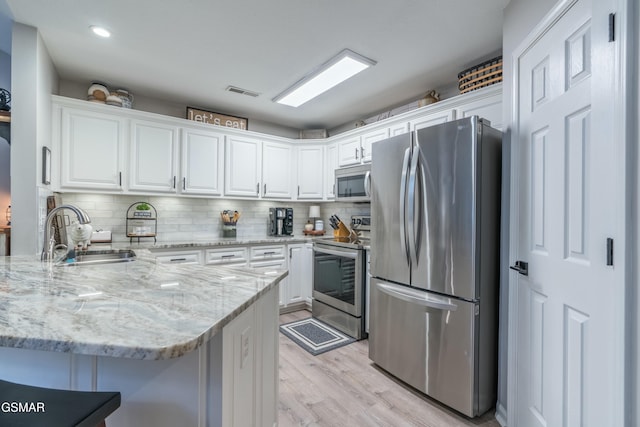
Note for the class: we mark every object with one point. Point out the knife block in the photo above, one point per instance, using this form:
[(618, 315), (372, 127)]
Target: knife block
[(342, 231)]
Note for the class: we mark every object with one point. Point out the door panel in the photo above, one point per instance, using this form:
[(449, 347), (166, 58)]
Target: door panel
[(446, 240), (568, 307), (428, 341), (390, 260)]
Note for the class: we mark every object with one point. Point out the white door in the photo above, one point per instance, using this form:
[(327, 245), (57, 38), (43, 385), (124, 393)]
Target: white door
[(368, 139), (277, 170), (330, 170), (349, 151), (92, 150), (202, 162), (153, 157), (243, 167), (310, 172), (567, 201)]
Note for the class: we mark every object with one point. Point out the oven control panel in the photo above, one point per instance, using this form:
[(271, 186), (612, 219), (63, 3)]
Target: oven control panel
[(361, 222)]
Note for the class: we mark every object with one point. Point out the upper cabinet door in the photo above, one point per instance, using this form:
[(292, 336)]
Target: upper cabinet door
[(433, 119), (489, 108), (202, 162), (349, 151), (277, 170), (243, 167), (153, 157), (368, 139), (310, 172), (330, 170), (92, 150)]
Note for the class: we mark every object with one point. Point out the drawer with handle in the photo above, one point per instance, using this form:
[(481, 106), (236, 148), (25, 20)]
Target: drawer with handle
[(226, 256), (179, 257), (267, 252)]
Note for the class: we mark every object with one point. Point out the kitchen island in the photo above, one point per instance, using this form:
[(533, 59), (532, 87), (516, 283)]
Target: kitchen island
[(185, 345)]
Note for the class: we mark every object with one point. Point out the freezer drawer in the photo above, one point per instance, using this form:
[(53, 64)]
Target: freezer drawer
[(428, 341)]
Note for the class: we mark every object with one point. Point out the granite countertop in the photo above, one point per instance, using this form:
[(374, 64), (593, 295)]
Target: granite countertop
[(139, 310)]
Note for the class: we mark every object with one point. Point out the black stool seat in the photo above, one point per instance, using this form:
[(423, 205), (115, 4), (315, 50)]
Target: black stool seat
[(29, 406)]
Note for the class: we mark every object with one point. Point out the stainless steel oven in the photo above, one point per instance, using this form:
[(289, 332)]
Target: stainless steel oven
[(338, 284)]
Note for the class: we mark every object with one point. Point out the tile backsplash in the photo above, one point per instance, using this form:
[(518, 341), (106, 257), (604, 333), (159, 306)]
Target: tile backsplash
[(183, 219)]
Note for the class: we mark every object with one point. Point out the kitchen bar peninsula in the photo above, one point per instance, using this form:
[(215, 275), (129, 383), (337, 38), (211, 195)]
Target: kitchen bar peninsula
[(185, 345)]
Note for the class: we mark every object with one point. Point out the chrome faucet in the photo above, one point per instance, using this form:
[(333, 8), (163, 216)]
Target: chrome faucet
[(49, 241)]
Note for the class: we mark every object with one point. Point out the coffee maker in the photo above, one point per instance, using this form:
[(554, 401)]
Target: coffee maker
[(280, 222)]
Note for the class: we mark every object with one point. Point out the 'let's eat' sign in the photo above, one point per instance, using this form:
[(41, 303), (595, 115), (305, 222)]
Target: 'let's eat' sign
[(216, 118)]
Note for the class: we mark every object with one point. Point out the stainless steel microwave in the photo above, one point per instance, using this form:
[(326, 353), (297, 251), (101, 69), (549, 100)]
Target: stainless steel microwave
[(352, 184)]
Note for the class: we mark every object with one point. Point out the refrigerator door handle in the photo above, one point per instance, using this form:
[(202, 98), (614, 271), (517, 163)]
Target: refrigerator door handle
[(413, 249), (367, 183), (416, 297), (403, 201)]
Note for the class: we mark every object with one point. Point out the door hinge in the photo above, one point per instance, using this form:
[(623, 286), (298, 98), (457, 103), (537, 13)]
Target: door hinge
[(609, 251), (612, 27)]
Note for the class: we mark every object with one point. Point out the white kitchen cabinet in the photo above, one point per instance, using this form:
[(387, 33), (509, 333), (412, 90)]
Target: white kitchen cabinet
[(226, 256), (92, 150), (432, 119), (202, 162), (331, 164), (489, 108), (398, 128), (300, 279), (368, 139), (153, 164), (277, 170), (349, 151), (310, 172), (242, 167)]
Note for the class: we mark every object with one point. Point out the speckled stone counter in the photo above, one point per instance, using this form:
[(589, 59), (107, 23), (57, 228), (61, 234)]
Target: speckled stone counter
[(138, 310)]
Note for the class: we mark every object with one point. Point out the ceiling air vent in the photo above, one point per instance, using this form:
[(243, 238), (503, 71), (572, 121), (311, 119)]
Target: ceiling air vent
[(242, 91)]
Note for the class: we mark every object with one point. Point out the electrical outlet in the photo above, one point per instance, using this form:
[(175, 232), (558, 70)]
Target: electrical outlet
[(245, 346)]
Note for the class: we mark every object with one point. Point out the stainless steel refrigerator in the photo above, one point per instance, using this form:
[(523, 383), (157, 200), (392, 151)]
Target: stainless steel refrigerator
[(435, 211)]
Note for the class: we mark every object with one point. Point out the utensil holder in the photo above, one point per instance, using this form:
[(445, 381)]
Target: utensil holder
[(228, 230)]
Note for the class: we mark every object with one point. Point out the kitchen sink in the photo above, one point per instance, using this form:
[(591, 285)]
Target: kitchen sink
[(108, 256)]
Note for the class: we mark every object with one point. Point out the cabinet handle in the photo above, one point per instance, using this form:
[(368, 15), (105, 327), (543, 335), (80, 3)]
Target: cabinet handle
[(227, 256), (184, 183), (269, 253), (264, 192), (174, 182), (362, 152), (290, 255), (333, 191), (298, 191), (120, 179), (356, 153), (258, 189), (177, 259)]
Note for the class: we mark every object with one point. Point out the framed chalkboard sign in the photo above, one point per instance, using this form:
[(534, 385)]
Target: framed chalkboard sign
[(217, 119)]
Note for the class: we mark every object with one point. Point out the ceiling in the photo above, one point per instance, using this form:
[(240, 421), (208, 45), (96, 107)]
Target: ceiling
[(189, 51)]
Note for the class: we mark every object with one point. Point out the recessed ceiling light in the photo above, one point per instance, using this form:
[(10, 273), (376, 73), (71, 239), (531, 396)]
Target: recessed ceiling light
[(100, 31), (344, 65)]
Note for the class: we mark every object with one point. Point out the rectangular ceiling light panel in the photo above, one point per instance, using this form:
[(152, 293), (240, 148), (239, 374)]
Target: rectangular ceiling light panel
[(333, 72)]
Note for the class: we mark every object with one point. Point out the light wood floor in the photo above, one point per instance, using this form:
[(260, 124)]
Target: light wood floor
[(344, 388)]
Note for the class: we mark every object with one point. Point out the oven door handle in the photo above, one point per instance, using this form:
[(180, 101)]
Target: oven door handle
[(344, 254), (416, 297)]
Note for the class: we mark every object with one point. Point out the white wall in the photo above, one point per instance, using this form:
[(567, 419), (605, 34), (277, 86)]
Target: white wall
[(34, 79), (520, 17), (78, 90)]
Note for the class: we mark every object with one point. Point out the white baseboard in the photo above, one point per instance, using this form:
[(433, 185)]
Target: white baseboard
[(501, 415)]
